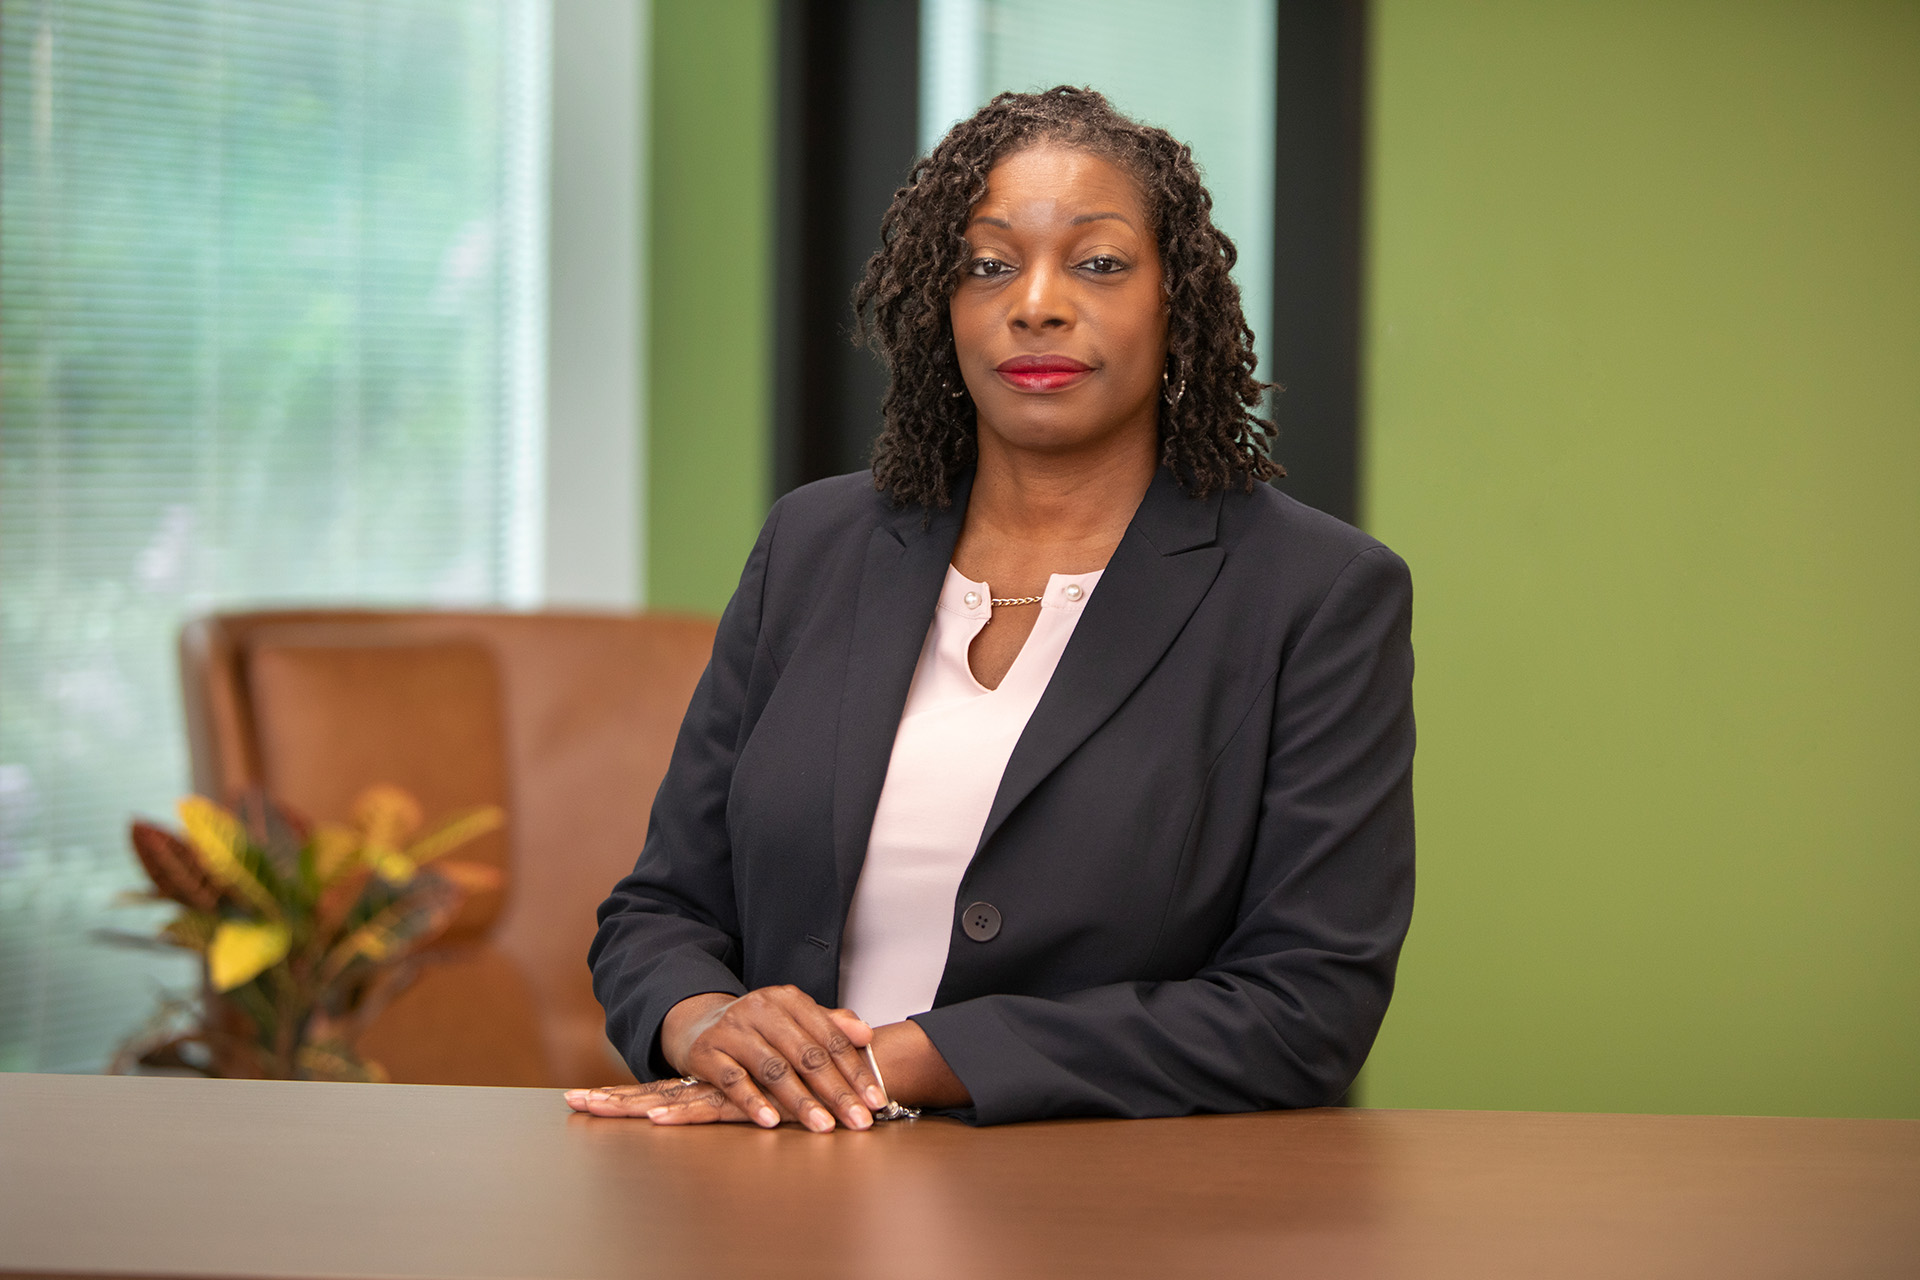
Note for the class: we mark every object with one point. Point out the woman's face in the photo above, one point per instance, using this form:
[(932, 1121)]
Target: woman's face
[(1060, 322)]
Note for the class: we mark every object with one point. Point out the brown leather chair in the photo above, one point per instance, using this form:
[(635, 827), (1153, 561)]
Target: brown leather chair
[(565, 720)]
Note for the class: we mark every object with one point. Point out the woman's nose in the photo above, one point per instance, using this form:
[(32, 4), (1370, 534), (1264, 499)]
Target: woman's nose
[(1042, 301)]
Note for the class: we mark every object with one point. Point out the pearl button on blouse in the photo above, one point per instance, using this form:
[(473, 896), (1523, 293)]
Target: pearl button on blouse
[(954, 740)]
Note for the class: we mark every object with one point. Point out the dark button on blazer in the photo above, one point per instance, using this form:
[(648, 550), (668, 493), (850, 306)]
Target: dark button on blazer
[(1200, 855)]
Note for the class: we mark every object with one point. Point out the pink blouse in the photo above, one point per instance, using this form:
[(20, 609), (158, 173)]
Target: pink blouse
[(952, 746)]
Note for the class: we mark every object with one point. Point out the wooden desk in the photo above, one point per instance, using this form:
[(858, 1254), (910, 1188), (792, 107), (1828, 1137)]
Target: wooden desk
[(108, 1176)]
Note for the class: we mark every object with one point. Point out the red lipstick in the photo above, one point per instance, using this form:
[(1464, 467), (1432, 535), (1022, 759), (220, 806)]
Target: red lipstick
[(1042, 373)]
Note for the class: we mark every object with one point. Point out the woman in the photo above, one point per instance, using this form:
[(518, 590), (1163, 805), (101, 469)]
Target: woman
[(1069, 758)]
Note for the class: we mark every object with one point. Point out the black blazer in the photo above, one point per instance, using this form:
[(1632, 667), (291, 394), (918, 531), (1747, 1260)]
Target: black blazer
[(1201, 852)]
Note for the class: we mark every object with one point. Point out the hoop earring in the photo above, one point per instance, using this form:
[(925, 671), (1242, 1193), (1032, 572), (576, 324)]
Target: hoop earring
[(1170, 393)]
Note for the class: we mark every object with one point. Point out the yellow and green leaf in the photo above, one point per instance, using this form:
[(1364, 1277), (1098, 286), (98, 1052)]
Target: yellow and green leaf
[(395, 868), (460, 829), (241, 951), (406, 924), (193, 930), (220, 841)]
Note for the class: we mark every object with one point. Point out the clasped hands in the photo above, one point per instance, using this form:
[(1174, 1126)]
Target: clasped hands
[(775, 1054)]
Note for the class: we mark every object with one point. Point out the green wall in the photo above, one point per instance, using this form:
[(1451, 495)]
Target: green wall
[(1644, 390), (710, 306)]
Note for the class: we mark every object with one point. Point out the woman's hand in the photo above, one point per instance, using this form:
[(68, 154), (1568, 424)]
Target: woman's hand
[(773, 1053), (700, 1102), (701, 1025)]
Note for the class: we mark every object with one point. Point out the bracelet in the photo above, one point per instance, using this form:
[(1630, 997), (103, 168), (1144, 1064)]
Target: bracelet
[(893, 1110)]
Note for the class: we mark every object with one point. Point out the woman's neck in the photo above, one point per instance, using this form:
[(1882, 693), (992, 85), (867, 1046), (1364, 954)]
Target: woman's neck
[(1075, 506)]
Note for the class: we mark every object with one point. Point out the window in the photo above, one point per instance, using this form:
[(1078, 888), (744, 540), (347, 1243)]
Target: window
[(271, 330)]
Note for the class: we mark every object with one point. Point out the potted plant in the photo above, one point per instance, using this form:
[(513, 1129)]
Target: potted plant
[(303, 931)]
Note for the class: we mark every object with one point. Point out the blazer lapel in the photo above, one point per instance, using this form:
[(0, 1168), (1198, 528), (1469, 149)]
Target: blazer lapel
[(1158, 575), (900, 583)]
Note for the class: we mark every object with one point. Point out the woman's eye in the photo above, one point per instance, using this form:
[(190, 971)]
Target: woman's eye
[(987, 267), (1104, 264)]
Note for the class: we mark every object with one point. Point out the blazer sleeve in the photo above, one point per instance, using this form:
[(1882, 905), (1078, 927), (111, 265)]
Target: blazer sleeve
[(671, 929), (1284, 1013)]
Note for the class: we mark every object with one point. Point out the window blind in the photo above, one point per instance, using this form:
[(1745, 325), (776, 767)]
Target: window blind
[(271, 331)]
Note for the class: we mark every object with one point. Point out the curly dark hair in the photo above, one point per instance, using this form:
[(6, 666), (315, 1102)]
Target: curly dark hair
[(1210, 437)]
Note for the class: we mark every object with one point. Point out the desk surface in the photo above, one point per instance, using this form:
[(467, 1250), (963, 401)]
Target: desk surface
[(128, 1176)]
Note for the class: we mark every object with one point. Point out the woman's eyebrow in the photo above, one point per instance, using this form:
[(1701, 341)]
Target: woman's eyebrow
[(992, 221)]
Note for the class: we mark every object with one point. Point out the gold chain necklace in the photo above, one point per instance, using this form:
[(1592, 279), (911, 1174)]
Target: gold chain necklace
[(1073, 591)]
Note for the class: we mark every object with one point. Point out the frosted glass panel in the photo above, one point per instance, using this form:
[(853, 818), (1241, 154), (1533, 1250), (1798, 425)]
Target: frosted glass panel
[(1200, 69)]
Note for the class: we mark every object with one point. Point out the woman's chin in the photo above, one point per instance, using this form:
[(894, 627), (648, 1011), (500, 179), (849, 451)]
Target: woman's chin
[(1058, 429)]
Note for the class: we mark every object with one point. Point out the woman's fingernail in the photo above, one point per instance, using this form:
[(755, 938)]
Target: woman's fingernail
[(659, 1113), (876, 1096), (768, 1117), (861, 1118), (819, 1121), (576, 1095)]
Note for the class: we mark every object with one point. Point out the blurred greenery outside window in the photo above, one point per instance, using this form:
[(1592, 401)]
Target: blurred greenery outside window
[(272, 307), (1203, 70)]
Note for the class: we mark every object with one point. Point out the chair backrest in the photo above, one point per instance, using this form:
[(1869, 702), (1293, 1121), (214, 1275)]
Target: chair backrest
[(566, 720)]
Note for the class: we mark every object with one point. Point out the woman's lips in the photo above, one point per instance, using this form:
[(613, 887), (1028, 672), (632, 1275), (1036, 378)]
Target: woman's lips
[(1042, 373)]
